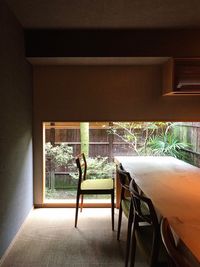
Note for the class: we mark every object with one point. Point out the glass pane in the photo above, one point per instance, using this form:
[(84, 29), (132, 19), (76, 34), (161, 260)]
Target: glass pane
[(101, 142), (62, 143)]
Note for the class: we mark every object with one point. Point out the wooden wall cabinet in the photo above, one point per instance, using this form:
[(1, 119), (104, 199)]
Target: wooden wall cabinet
[(181, 76)]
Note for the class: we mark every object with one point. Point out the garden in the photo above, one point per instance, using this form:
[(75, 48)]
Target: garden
[(102, 141)]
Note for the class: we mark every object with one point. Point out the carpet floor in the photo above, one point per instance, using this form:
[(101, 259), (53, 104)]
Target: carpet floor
[(49, 239)]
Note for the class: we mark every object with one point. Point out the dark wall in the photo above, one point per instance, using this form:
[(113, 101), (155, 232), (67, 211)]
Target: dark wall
[(16, 189)]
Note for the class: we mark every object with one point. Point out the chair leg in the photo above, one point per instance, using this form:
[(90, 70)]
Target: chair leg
[(119, 222), (112, 208), (129, 232), (133, 241), (155, 249), (81, 202), (77, 206)]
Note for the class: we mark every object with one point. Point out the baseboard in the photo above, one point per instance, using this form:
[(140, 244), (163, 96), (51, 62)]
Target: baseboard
[(72, 205), (14, 238)]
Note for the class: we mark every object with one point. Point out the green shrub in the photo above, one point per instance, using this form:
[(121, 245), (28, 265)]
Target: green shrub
[(59, 155), (99, 167), (166, 145)]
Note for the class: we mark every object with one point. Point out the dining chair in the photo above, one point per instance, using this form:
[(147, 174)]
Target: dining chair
[(125, 199), (125, 206), (177, 257), (145, 235), (92, 186)]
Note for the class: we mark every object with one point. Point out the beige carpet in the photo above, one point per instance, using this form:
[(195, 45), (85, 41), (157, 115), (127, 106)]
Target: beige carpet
[(49, 239)]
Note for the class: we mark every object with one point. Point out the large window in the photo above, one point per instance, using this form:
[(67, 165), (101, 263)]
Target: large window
[(63, 141), (101, 142)]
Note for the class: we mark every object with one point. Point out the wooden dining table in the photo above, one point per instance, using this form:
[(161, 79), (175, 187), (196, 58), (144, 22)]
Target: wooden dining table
[(174, 188)]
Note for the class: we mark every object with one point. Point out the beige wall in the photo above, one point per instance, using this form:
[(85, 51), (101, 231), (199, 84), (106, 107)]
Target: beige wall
[(16, 165), (102, 93)]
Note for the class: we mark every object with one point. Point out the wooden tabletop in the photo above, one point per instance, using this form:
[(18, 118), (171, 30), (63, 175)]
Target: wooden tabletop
[(174, 188)]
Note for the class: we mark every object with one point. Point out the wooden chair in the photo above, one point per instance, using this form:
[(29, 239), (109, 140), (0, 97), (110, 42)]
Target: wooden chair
[(125, 199), (126, 205), (92, 186), (145, 234), (177, 257)]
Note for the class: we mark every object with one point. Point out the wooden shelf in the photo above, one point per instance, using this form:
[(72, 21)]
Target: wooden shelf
[(181, 76)]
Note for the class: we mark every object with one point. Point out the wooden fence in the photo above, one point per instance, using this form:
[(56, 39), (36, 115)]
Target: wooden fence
[(104, 144), (189, 132), (108, 145), (101, 142)]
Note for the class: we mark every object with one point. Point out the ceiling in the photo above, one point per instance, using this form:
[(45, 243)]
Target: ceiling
[(105, 14), (134, 14)]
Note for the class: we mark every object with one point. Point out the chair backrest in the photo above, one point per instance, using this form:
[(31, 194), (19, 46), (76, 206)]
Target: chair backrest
[(124, 177), (146, 216), (125, 181), (139, 200), (82, 167), (177, 257)]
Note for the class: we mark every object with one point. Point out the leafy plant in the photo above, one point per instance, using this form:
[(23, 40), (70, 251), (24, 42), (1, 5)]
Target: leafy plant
[(56, 156), (99, 167), (137, 134), (166, 144), (59, 155)]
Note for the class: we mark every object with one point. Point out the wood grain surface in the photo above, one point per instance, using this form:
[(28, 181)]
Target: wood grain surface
[(174, 187)]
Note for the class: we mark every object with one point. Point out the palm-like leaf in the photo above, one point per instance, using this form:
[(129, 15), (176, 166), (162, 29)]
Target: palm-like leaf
[(166, 145)]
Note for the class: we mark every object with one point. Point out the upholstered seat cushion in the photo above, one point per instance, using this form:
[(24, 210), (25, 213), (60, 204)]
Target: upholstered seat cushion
[(97, 184), (126, 206)]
